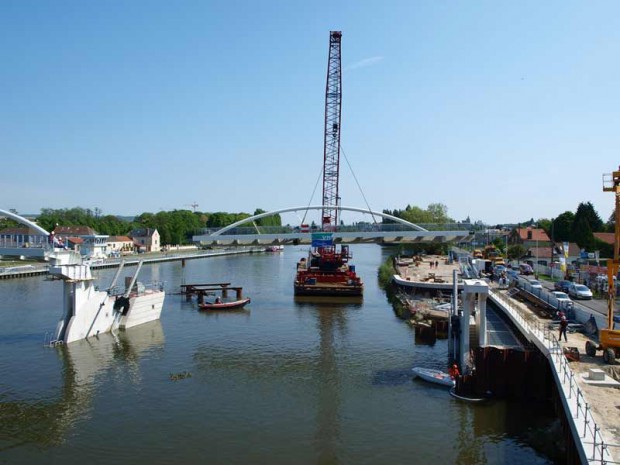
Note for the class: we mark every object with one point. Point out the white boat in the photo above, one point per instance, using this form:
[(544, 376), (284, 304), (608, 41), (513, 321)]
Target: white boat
[(433, 376), (89, 311)]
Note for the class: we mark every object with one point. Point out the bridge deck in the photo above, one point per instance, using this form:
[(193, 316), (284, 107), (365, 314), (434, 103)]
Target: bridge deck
[(347, 237), (499, 332)]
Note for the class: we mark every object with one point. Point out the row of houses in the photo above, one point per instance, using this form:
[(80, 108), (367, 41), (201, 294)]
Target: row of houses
[(86, 241), (543, 251)]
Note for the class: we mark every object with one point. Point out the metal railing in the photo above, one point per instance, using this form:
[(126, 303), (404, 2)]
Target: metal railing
[(597, 451), (360, 227), (22, 269)]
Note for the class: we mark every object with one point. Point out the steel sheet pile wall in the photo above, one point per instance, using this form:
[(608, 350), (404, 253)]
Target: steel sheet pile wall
[(508, 374)]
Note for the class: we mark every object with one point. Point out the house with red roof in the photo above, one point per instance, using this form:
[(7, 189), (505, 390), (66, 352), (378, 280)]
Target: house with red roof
[(605, 237), (120, 245), (146, 239), (93, 245), (545, 256), (530, 237)]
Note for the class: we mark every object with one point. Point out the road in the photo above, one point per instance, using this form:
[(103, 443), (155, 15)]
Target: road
[(595, 305)]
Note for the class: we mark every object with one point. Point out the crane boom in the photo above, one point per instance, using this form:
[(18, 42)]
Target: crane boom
[(331, 148)]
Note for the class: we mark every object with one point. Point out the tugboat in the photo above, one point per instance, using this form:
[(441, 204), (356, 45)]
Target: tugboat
[(326, 272)]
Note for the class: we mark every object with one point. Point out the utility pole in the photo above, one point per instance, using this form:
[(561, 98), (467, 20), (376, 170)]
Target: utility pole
[(611, 183), (552, 249)]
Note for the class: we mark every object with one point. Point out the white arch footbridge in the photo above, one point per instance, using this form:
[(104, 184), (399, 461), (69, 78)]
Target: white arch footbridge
[(34, 244), (401, 231)]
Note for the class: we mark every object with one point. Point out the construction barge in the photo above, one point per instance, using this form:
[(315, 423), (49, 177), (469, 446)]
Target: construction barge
[(326, 272)]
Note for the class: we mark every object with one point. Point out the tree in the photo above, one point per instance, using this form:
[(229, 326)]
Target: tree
[(562, 227), (586, 210), (109, 224), (606, 250), (438, 213), (8, 223), (611, 222), (273, 220), (174, 227), (582, 234), (435, 213), (545, 224), (515, 252)]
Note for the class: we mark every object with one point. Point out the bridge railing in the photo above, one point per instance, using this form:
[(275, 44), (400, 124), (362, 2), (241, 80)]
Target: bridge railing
[(596, 448), (358, 227)]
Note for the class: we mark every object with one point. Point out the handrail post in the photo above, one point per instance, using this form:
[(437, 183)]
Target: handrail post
[(585, 420), (596, 428)]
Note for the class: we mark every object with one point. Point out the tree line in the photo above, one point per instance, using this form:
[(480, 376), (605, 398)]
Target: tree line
[(178, 226), (578, 227), (175, 227)]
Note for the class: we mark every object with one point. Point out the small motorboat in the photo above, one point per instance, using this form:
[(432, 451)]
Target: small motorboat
[(433, 376), (232, 305)]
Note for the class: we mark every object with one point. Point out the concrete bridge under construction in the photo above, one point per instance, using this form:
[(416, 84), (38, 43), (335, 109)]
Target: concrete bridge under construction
[(246, 232)]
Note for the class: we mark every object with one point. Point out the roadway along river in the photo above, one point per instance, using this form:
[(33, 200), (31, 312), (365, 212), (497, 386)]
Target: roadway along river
[(279, 383)]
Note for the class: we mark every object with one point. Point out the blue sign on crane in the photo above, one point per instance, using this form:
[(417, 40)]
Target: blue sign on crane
[(322, 239)]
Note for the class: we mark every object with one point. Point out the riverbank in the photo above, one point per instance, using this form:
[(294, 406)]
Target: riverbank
[(37, 269)]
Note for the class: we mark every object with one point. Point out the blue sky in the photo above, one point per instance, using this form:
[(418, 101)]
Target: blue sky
[(501, 110)]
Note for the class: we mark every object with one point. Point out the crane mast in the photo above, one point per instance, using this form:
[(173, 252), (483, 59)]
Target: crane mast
[(331, 148), (611, 183)]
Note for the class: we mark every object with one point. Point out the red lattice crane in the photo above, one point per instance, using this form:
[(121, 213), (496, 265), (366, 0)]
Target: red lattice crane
[(331, 148)]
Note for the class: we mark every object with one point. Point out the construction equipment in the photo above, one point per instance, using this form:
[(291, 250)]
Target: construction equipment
[(331, 148), (609, 338)]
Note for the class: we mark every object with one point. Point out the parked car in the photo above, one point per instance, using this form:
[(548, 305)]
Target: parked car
[(524, 268), (564, 301), (535, 284), (579, 291), (498, 270), (562, 285), (512, 274)]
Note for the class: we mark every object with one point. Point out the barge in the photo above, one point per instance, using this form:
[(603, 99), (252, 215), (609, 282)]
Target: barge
[(327, 272)]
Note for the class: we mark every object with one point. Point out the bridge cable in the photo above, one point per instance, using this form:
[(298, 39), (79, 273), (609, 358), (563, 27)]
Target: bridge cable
[(303, 221), (358, 184)]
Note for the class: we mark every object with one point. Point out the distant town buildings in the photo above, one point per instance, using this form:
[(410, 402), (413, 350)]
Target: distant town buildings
[(146, 240)]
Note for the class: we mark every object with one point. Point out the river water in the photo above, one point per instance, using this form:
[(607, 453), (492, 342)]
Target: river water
[(281, 382)]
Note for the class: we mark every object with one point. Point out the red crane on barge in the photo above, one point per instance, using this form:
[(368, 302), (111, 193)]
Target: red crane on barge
[(326, 272)]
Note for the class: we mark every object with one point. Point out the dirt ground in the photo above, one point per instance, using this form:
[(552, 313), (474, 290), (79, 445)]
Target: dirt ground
[(604, 401)]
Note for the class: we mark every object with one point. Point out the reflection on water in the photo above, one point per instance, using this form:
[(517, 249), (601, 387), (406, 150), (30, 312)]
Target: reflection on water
[(330, 318), (329, 302), (284, 381), (47, 421)]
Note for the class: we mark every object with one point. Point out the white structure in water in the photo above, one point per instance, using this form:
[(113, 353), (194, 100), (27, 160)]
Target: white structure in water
[(89, 311), (473, 290)]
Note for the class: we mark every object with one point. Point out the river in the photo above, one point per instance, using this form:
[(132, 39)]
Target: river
[(281, 382)]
